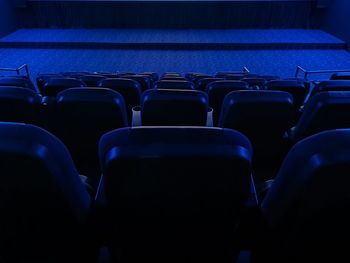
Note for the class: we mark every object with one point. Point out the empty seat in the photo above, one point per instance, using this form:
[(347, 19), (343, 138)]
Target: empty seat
[(331, 85), (324, 111), (223, 74), (173, 78), (81, 117), (181, 195), (217, 91), (269, 77), (19, 105), (153, 75), (174, 84), (92, 80), (44, 204), (264, 117), (294, 87), (17, 82), (128, 88), (174, 107), (237, 76), (55, 85), (202, 83), (144, 80), (307, 205), (255, 82), (340, 76)]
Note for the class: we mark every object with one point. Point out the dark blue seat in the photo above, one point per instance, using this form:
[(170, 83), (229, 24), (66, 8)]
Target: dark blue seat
[(174, 107), (264, 117), (167, 77), (17, 81), (255, 82), (44, 204), (92, 80), (53, 86), (153, 75), (331, 85), (217, 91), (294, 87), (340, 76), (81, 117), (202, 83), (144, 80), (307, 207), (184, 187), (324, 111), (19, 105), (128, 88), (174, 84)]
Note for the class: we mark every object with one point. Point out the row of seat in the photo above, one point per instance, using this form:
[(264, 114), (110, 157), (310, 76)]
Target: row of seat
[(172, 194), (81, 116)]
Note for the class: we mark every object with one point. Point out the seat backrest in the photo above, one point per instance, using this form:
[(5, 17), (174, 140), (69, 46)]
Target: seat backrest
[(202, 83), (81, 117), (19, 105), (324, 111), (255, 82), (44, 204), (217, 91), (309, 200), (144, 80), (294, 87), (262, 114), (53, 86), (17, 82), (128, 88), (183, 186), (92, 80), (340, 76), (174, 84), (174, 107), (331, 85)]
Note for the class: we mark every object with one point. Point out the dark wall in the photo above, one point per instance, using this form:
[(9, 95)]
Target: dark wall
[(337, 19), (169, 14), (7, 17)]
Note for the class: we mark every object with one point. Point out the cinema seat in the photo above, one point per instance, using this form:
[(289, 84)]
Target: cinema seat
[(128, 88), (217, 91), (331, 85), (324, 111), (181, 195), (153, 75), (174, 84), (53, 86), (307, 205), (19, 105), (294, 87), (255, 82), (202, 83), (44, 204), (144, 80), (92, 80), (17, 82), (42, 78), (340, 76), (81, 117), (174, 108), (264, 117)]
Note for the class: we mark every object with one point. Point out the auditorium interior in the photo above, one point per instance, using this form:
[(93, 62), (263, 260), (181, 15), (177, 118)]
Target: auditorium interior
[(174, 131)]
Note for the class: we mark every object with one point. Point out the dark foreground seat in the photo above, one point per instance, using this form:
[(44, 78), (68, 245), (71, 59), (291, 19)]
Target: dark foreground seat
[(307, 207), (174, 194), (44, 204)]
